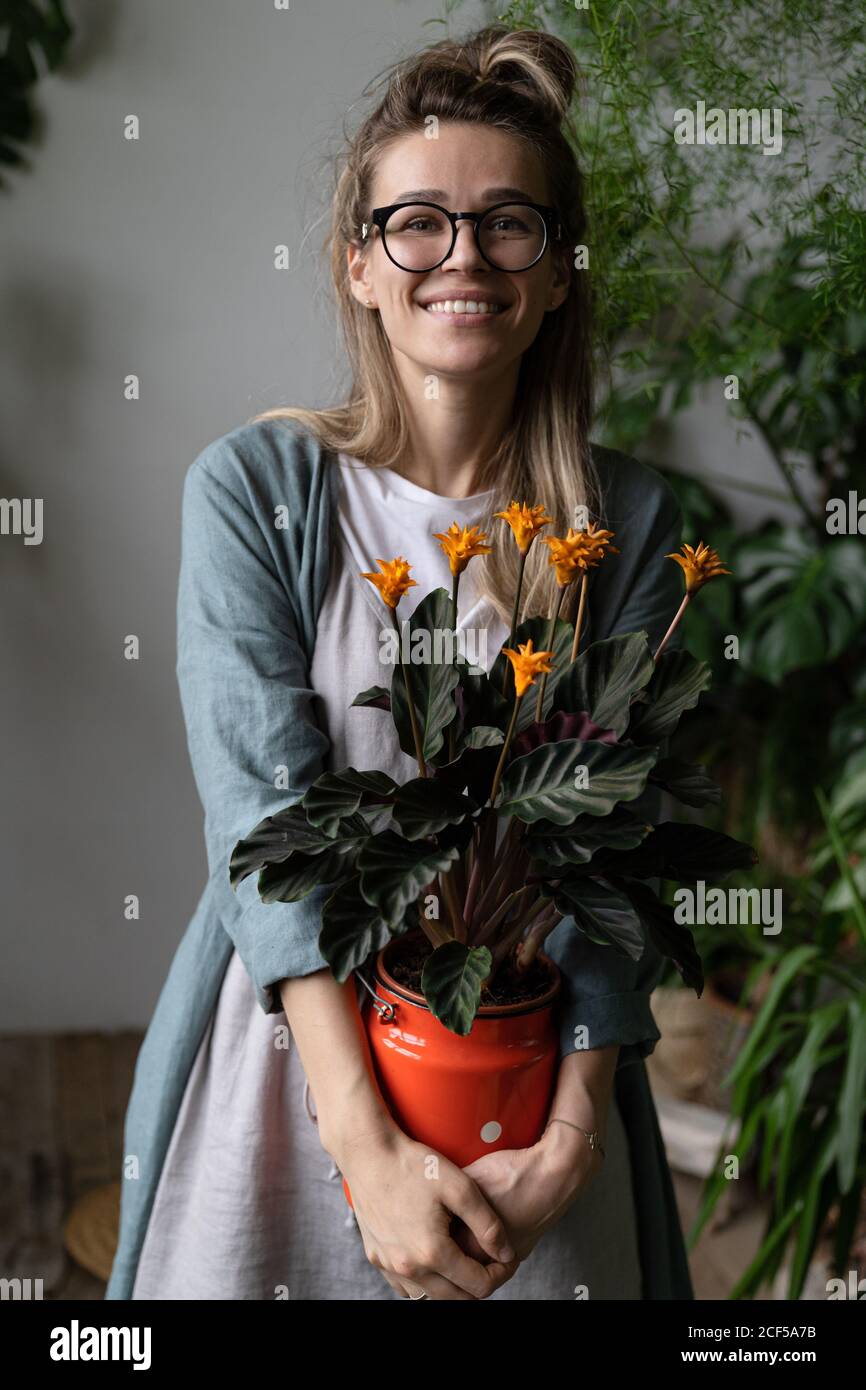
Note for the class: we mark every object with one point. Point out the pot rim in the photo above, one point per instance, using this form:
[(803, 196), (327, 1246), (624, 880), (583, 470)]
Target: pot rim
[(523, 1006)]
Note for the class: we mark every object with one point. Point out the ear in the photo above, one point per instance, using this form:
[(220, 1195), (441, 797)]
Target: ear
[(561, 282), (359, 275)]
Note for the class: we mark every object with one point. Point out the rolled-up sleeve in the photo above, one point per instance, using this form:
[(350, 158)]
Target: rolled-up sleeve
[(254, 742), (604, 998)]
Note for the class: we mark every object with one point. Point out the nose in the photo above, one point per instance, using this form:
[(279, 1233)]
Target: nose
[(465, 254)]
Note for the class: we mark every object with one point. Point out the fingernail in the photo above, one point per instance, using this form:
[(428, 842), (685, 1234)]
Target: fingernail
[(506, 1254)]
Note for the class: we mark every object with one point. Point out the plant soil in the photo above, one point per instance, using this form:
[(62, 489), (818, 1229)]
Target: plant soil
[(407, 961)]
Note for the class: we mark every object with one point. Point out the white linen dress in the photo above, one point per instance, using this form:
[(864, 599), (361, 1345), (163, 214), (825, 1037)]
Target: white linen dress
[(249, 1205)]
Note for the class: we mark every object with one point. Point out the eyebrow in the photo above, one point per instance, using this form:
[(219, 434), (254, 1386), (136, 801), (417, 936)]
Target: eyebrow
[(436, 195)]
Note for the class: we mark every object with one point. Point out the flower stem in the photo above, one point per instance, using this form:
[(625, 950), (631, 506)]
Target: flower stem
[(472, 890), (539, 704), (673, 627), (540, 909), (449, 892), (410, 701), (511, 939), (581, 608), (514, 612), (451, 727), (500, 765), (511, 857), (516, 871), (541, 927), (431, 929), (504, 908), (499, 871)]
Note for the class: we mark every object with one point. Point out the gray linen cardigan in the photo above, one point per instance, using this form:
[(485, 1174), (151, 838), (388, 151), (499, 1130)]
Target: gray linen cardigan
[(259, 513)]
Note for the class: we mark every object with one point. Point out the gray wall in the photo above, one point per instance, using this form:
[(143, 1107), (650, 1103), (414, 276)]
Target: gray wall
[(152, 257)]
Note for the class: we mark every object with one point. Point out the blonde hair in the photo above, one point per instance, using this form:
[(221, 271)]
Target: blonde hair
[(521, 82)]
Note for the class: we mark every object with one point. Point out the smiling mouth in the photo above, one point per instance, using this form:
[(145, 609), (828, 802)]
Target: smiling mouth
[(477, 308)]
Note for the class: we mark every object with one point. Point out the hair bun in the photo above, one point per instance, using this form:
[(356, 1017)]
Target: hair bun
[(541, 67)]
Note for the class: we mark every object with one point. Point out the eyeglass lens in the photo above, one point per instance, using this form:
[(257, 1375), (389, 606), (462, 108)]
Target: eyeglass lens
[(418, 238)]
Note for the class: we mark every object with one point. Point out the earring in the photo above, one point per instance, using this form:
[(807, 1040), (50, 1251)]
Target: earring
[(369, 303)]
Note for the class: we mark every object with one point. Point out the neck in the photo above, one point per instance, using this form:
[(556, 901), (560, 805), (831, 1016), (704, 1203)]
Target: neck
[(453, 436)]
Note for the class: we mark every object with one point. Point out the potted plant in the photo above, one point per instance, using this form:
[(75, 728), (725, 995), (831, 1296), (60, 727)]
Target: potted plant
[(527, 809), (799, 1097)]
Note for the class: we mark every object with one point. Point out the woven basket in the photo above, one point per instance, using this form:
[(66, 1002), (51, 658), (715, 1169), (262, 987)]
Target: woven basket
[(699, 1044), (91, 1228)]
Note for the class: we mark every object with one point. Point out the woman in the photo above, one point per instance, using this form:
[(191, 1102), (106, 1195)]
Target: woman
[(455, 219)]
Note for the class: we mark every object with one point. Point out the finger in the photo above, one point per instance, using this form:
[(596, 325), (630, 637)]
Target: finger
[(467, 1242), (399, 1286), (410, 1289), (439, 1289), (465, 1200), (478, 1280)]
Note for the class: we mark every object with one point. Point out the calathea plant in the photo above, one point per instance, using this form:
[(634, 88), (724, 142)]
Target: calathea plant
[(523, 812)]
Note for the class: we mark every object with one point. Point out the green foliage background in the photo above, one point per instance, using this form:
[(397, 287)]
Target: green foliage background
[(27, 30)]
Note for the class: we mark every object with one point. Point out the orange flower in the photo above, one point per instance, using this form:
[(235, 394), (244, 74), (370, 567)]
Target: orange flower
[(462, 545), (527, 665), (579, 551), (394, 580), (698, 566), (525, 522)]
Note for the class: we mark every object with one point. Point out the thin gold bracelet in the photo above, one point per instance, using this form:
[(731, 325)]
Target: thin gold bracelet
[(592, 1134)]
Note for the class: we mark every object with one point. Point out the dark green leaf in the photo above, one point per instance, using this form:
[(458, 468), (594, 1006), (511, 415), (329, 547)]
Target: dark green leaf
[(424, 806), (451, 983), (288, 832), (668, 936), (377, 697), (684, 853), (544, 784), (352, 930), (602, 913), (335, 795), (394, 871), (797, 1080), (456, 836), (789, 969), (558, 845), (433, 675), (804, 602), (688, 782), (484, 705), (675, 687), (819, 1197), (472, 769), (852, 1096), (604, 678), (484, 736), (293, 878)]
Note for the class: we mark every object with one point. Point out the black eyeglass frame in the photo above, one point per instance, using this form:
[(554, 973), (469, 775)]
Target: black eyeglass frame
[(549, 216)]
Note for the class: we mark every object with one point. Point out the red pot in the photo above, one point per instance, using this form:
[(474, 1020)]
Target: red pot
[(464, 1096)]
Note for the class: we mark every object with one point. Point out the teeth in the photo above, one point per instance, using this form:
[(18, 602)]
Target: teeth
[(463, 306)]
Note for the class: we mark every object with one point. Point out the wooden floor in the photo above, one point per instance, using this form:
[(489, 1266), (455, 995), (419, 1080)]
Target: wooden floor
[(62, 1102)]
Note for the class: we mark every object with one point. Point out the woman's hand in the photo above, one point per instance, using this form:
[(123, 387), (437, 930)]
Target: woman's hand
[(405, 1214), (532, 1188)]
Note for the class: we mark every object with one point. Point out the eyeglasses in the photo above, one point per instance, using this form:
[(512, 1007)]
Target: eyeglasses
[(419, 236)]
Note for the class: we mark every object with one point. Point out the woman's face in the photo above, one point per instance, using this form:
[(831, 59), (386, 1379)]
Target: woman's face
[(467, 168)]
